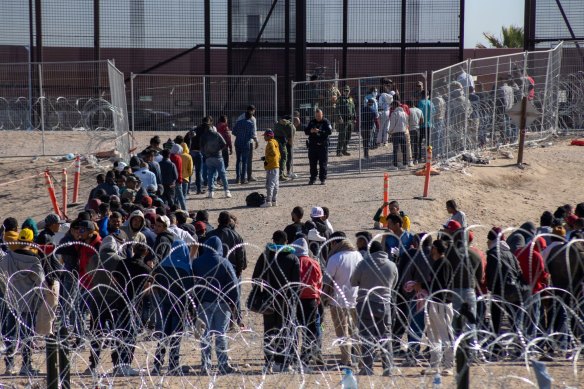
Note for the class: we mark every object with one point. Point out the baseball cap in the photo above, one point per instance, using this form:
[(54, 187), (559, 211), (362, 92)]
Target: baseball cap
[(87, 224), (26, 235), (53, 218), (164, 220), (494, 233), (269, 133), (121, 166), (200, 226), (316, 212), (452, 225)]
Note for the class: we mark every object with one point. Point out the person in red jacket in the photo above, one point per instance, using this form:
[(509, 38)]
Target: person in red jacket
[(308, 314), (175, 158), (223, 129)]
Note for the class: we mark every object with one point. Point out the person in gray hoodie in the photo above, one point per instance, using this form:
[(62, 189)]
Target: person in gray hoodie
[(376, 278), (134, 226), (21, 277)]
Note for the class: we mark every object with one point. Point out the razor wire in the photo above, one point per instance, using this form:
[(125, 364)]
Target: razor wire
[(135, 317), (57, 108)]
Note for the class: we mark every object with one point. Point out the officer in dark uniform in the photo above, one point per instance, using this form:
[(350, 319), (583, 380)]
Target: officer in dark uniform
[(318, 131)]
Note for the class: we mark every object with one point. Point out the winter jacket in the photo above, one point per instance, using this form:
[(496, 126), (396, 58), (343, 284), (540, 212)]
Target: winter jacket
[(501, 264), (466, 265), (146, 177), (310, 271), (376, 277), (187, 164), (319, 138), (135, 235), (284, 132), (215, 279), (212, 143), (532, 268), (168, 172), (282, 270), (105, 264), (244, 132), (85, 256), (441, 279), (230, 239), (292, 229), (272, 155), (368, 116), (223, 130), (21, 275), (177, 161), (163, 244)]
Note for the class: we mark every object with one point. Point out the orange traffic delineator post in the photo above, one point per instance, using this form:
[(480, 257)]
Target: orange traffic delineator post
[(427, 172), (76, 179), (64, 191), (51, 190), (385, 193)]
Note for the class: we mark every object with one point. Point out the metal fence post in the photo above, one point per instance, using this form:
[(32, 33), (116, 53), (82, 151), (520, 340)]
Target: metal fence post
[(493, 123), (42, 101), (292, 86), (359, 102), (132, 76), (204, 96), (275, 78)]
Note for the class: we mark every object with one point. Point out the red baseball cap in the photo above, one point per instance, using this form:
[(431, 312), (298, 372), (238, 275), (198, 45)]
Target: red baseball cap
[(200, 226)]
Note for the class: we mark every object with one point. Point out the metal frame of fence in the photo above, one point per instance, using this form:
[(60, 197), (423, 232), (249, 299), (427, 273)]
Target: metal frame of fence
[(306, 96), (165, 102), (70, 107), (467, 122)]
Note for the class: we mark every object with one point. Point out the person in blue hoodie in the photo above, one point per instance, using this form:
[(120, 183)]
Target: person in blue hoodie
[(216, 293)]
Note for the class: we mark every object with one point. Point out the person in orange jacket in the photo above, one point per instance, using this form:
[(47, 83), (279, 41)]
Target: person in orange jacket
[(272, 166)]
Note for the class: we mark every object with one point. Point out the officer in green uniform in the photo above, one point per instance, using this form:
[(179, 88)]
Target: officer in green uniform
[(284, 132), (346, 119)]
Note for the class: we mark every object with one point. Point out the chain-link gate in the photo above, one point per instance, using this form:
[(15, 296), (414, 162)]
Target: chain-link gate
[(58, 108), (360, 138), (472, 100), (179, 102)]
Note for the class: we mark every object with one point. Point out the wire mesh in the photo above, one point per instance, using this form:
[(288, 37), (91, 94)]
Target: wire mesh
[(468, 119), (43, 103), (360, 136), (116, 301)]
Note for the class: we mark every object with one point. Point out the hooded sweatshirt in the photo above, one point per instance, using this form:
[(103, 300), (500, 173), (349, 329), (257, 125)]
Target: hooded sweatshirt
[(282, 268), (398, 121), (103, 266), (215, 279), (187, 163), (375, 276), (135, 235), (310, 272), (24, 274), (11, 236)]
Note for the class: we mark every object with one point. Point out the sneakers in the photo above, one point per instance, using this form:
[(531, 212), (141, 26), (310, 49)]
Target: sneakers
[(10, 370), (346, 153), (274, 203), (393, 167), (311, 182), (243, 182), (210, 195), (323, 182), (292, 175), (228, 369), (283, 178), (387, 372), (28, 371), (430, 371), (447, 373), (267, 204), (253, 179), (411, 164), (282, 368), (126, 371), (227, 194)]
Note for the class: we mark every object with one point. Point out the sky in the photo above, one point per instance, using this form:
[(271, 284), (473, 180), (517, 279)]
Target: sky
[(489, 16)]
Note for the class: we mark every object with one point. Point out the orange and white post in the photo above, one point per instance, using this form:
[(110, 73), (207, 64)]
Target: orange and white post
[(428, 170), (64, 192), (51, 190), (385, 193), (76, 179)]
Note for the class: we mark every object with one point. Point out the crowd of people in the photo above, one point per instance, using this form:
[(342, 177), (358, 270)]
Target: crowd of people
[(135, 260)]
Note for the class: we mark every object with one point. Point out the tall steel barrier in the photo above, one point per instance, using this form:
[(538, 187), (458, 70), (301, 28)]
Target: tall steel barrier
[(359, 140), (179, 102), (473, 100), (57, 108)]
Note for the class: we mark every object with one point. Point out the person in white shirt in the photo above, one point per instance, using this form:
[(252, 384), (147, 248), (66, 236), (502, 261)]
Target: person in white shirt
[(398, 128), (456, 215), (145, 175), (385, 100), (341, 265), (465, 79), (182, 234)]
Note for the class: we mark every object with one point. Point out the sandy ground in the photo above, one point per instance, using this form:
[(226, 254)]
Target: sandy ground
[(495, 194)]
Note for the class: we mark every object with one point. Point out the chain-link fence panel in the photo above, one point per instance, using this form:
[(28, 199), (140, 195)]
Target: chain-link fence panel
[(358, 110), (178, 102), (59, 108)]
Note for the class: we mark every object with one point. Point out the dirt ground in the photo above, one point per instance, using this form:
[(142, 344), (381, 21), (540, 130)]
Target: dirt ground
[(495, 194)]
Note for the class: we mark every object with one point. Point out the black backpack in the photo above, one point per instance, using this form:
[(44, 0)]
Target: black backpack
[(255, 199)]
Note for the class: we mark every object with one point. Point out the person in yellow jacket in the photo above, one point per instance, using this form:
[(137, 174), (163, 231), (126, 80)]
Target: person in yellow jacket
[(381, 221), (187, 168), (272, 166)]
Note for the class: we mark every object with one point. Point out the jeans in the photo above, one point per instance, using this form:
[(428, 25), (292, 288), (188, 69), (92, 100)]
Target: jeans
[(19, 328), (225, 155), (216, 316), (199, 165), (241, 155), (179, 196), (171, 312), (272, 184), (375, 333), (416, 143), (308, 318), (215, 166), (74, 303), (399, 141), (416, 330), (169, 194), (250, 162), (185, 190)]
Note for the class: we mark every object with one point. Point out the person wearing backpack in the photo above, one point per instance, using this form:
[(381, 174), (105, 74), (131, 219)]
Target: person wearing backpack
[(503, 277), (212, 144), (173, 279)]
